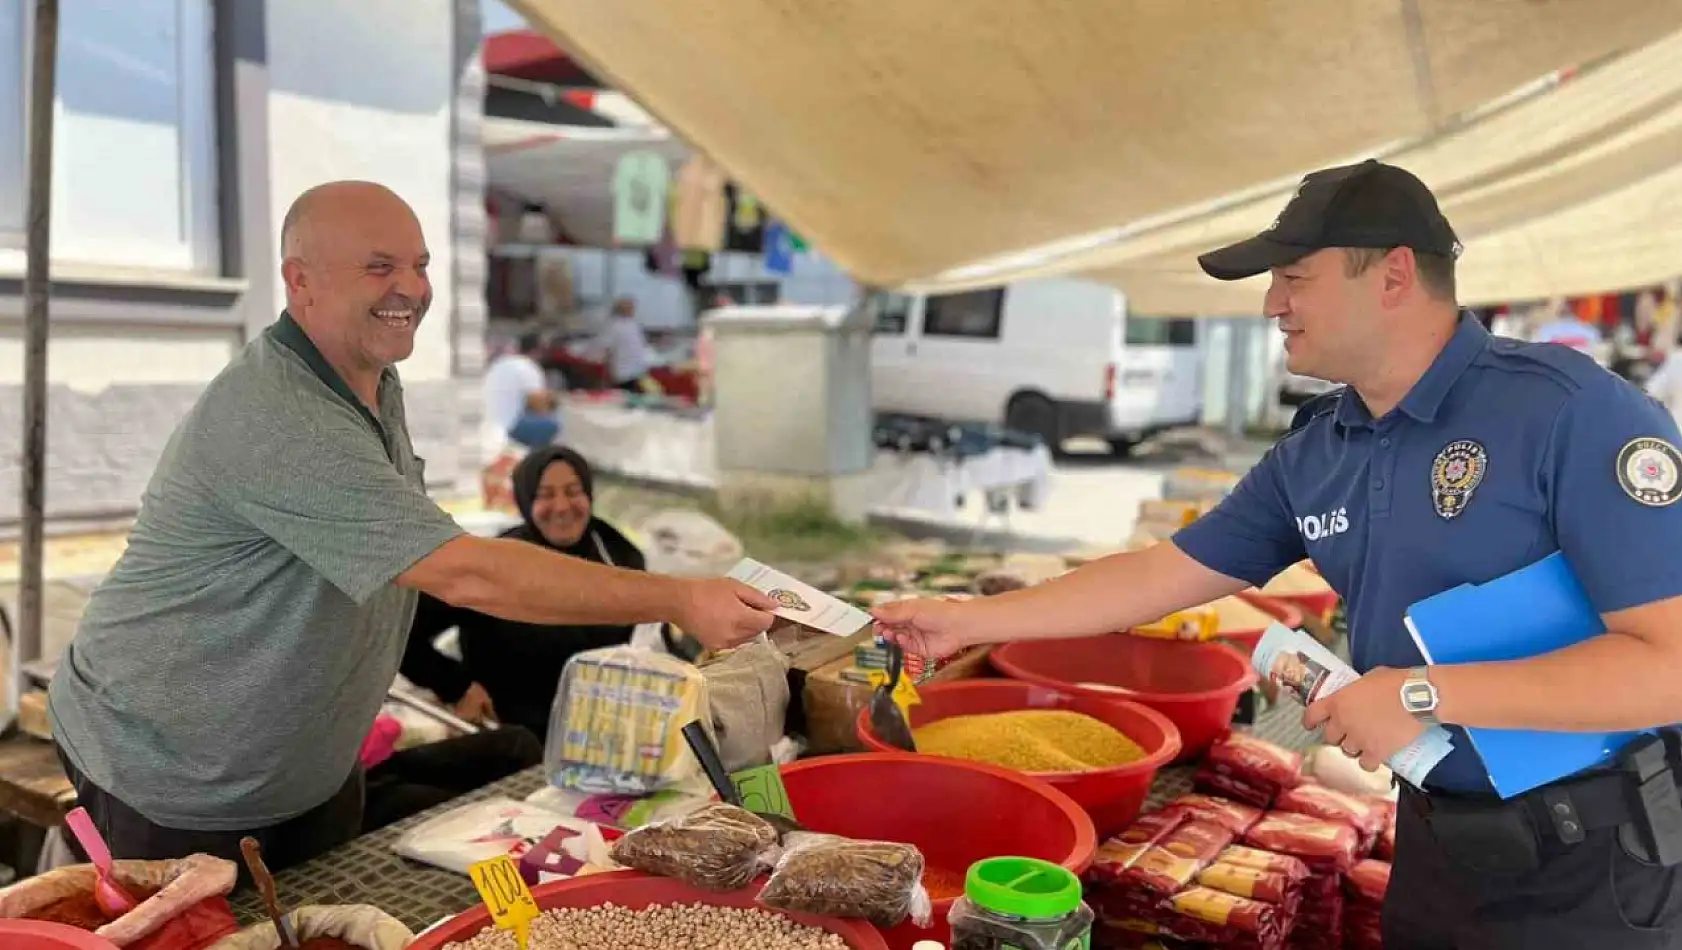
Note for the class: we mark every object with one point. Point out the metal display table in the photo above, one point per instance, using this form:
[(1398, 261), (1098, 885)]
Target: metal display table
[(368, 871)]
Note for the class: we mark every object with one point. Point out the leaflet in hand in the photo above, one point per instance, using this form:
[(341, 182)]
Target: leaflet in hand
[(1302, 667), (800, 602)]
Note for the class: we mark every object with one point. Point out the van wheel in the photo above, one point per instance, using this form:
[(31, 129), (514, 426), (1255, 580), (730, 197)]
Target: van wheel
[(1121, 447), (1036, 415)]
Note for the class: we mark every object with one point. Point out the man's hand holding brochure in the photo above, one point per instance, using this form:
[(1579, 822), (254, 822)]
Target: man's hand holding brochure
[(1305, 669)]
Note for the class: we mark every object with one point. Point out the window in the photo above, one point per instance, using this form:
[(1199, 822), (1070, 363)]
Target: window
[(1161, 331), (134, 150), (893, 312), (975, 313), (745, 293)]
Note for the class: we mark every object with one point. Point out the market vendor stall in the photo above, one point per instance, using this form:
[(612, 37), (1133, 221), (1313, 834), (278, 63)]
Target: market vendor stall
[(369, 871)]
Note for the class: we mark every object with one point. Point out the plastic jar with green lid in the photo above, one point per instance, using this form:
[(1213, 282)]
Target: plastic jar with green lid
[(1020, 904)]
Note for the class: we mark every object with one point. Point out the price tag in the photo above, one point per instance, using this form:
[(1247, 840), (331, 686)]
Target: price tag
[(505, 895), (762, 791)]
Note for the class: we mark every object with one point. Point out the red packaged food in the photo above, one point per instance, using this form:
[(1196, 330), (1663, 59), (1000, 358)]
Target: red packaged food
[(1236, 817), (1171, 863), (1274, 887), (1368, 880), (1385, 848), (1124, 903), (1223, 910), (1364, 815), (1120, 852), (1256, 761), (1322, 887), (1264, 861), (1319, 843), (1234, 788)]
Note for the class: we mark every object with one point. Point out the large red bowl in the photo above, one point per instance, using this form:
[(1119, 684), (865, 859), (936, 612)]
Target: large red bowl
[(635, 891), (1112, 796), (43, 935), (955, 812), (1196, 685)]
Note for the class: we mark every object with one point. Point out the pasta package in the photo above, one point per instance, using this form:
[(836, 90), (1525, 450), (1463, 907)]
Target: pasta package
[(1255, 761), (878, 881), (1233, 788), (1273, 887), (1364, 815), (1121, 851), (1368, 880), (616, 726), (1321, 844), (1263, 861), (717, 847), (1173, 862), (1235, 817)]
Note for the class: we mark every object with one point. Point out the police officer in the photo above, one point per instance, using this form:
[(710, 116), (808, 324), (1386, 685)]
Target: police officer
[(1447, 457)]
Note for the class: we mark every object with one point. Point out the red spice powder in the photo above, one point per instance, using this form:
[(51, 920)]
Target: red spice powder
[(82, 910)]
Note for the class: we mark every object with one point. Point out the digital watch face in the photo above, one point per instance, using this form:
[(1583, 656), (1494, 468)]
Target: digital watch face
[(1419, 697)]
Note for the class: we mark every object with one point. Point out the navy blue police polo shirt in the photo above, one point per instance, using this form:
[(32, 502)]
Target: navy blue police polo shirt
[(1503, 453)]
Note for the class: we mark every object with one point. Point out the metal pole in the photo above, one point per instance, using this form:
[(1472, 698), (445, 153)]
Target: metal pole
[(36, 290)]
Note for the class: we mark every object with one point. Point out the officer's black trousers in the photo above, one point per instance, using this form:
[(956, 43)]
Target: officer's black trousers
[(1590, 896)]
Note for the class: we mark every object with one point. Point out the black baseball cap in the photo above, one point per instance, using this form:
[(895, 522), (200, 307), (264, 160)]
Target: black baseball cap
[(1371, 205)]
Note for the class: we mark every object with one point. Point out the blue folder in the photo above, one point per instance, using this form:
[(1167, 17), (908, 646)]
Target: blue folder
[(1532, 611)]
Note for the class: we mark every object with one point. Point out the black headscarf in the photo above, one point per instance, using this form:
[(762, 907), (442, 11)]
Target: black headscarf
[(526, 478)]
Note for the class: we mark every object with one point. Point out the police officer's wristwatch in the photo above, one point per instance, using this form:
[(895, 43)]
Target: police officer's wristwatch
[(1419, 696)]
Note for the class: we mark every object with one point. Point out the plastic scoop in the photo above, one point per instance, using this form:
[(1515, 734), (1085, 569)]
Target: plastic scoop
[(253, 853), (107, 893), (887, 717), (702, 745)]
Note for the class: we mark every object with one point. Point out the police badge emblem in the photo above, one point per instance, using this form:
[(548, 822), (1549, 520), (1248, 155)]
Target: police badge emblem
[(1456, 473), (1650, 471)]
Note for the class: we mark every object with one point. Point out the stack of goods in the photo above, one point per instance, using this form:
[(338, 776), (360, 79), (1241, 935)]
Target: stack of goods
[(1365, 888), (617, 722), (1176, 874), (872, 655), (1250, 770), (1328, 849), (1030, 740)]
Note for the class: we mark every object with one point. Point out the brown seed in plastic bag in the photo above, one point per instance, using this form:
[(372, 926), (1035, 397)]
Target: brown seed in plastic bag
[(841, 877), (716, 847)]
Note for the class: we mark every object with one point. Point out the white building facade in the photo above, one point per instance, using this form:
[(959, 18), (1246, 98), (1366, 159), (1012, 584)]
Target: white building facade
[(184, 129)]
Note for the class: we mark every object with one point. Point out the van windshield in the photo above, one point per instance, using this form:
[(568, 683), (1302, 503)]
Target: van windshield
[(1161, 331)]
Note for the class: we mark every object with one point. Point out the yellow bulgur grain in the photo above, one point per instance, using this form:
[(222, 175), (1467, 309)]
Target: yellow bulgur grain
[(1030, 740)]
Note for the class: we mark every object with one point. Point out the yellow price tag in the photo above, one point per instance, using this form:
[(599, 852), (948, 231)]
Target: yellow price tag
[(904, 694), (505, 895)]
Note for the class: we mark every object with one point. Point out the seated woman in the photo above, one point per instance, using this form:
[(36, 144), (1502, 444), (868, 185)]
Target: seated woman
[(509, 671)]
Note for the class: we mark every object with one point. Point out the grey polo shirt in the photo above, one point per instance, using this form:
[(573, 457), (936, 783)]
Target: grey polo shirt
[(225, 674)]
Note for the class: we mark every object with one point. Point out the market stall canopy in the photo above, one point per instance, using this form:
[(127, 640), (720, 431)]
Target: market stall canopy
[(1544, 192), (568, 169), (911, 138)]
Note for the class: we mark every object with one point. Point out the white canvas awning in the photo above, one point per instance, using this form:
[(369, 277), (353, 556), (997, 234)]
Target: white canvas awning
[(1564, 192), (910, 138)]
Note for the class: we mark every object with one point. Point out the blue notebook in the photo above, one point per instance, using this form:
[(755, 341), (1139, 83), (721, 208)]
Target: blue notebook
[(1532, 611)]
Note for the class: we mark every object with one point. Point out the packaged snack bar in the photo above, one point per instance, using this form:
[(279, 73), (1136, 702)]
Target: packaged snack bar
[(1273, 887), (1368, 880), (1171, 863), (1264, 861), (1233, 788)]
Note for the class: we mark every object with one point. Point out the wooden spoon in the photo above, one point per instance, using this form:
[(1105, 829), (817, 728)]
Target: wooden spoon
[(253, 852)]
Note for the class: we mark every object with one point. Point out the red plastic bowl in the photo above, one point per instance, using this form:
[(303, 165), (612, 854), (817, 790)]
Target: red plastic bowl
[(1283, 611), (42, 935), (635, 891), (955, 812), (1111, 796), (1196, 685)]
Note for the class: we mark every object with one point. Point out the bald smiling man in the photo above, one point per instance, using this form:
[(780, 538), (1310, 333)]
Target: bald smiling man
[(225, 674)]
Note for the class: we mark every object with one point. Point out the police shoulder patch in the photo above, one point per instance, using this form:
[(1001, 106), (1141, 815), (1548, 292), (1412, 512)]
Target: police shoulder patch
[(1650, 471)]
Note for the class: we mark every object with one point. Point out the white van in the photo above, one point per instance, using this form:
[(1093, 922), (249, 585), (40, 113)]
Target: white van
[(1056, 357)]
